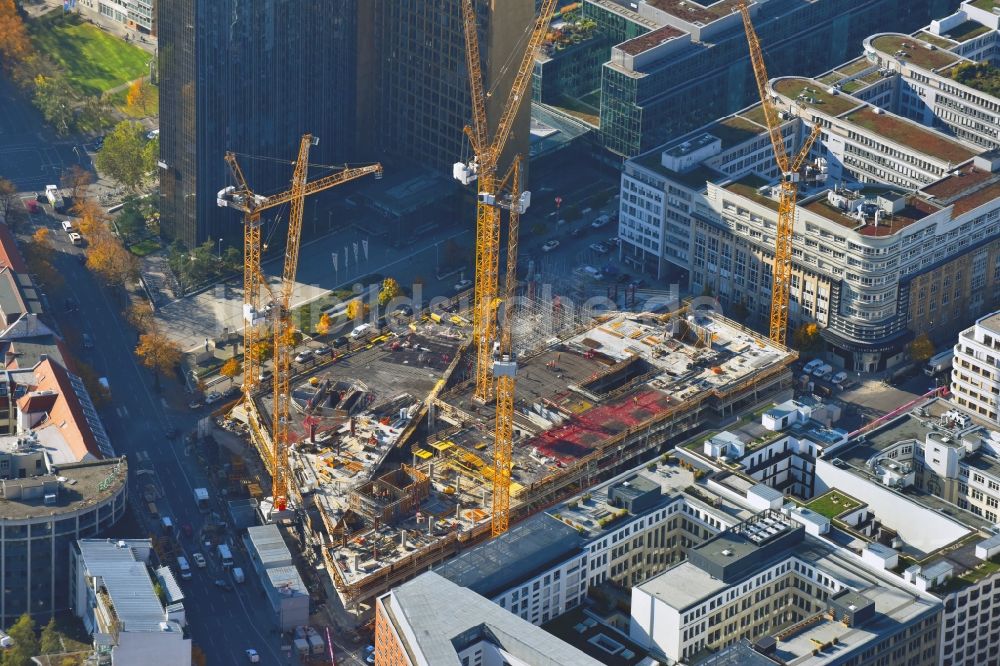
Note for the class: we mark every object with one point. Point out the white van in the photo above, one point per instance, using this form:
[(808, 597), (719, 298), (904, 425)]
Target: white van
[(67, 226), (184, 567), (362, 330)]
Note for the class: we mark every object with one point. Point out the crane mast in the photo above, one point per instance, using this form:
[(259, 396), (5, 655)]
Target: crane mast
[(781, 280), (242, 198), (504, 361), (484, 168)]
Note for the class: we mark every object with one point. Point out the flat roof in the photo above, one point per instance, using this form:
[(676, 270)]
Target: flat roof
[(82, 489), (735, 130), (748, 185), (915, 210), (529, 547), (990, 322), (692, 11), (444, 618), (813, 94), (126, 579), (606, 644), (912, 135), (914, 50), (650, 40), (694, 178)]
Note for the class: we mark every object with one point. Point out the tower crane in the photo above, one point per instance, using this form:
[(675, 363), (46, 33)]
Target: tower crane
[(781, 280), (504, 361), (487, 151), (242, 198)]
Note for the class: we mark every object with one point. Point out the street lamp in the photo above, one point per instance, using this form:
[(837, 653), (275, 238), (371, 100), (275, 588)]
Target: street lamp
[(220, 248)]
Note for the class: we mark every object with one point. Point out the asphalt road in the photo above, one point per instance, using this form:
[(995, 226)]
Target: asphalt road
[(30, 154), (223, 623)]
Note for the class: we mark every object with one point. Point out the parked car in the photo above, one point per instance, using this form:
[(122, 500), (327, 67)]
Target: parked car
[(462, 285), (342, 341), (362, 330), (303, 356), (550, 245), (212, 396), (195, 404), (839, 377), (75, 238), (600, 221), (599, 248), (812, 365), (253, 656), (199, 560)]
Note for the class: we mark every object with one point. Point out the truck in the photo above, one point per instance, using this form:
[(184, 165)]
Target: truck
[(939, 363), (225, 556), (55, 197), (238, 575), (168, 525), (201, 497)]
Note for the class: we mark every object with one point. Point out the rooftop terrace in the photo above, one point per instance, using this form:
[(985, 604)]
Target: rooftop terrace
[(911, 135), (915, 210), (650, 40), (813, 94), (914, 51), (86, 484), (692, 11)]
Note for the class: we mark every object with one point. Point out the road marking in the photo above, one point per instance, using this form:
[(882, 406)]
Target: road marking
[(125, 410)]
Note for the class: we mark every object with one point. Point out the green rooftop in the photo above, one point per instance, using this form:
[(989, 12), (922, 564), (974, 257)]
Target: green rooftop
[(914, 51), (980, 76), (811, 93), (735, 130), (833, 503), (964, 31), (748, 185), (910, 134)]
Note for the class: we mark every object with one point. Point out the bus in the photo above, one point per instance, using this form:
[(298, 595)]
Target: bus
[(939, 363)]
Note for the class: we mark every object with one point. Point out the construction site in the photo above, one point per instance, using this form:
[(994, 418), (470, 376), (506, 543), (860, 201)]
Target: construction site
[(391, 469)]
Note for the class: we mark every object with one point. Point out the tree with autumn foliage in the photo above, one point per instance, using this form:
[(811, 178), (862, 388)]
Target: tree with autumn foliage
[(76, 179), (262, 350), (93, 221), (38, 256), (15, 46), (921, 348), (390, 290), (109, 259), (323, 325), (158, 353), (231, 369), (137, 98), (357, 309), (8, 194), (807, 337), (140, 315)]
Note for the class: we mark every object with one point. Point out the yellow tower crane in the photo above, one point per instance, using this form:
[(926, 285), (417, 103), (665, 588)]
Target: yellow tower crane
[(242, 198), (487, 152), (504, 362), (781, 280)]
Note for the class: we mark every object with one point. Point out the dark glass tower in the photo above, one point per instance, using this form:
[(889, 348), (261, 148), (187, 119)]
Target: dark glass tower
[(249, 76)]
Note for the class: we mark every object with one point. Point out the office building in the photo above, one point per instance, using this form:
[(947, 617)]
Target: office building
[(975, 374), (798, 596), (112, 592), (896, 230), (135, 14), (430, 620), (641, 73), (248, 77), (622, 531), (418, 98)]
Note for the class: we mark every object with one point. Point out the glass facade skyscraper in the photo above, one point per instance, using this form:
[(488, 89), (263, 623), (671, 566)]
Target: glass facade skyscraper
[(250, 76)]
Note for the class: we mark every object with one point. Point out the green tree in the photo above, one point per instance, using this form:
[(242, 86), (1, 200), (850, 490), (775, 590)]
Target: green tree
[(25, 643), (130, 222), (150, 154), (123, 155), (921, 348), (232, 258), (390, 290), (93, 114), (51, 642), (55, 98)]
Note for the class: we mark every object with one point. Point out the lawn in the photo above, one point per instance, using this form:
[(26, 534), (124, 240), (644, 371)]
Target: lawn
[(94, 61), (832, 504), (145, 247), (152, 107)]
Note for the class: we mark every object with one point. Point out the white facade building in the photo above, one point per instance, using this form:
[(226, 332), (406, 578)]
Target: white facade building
[(975, 374), (112, 592)]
